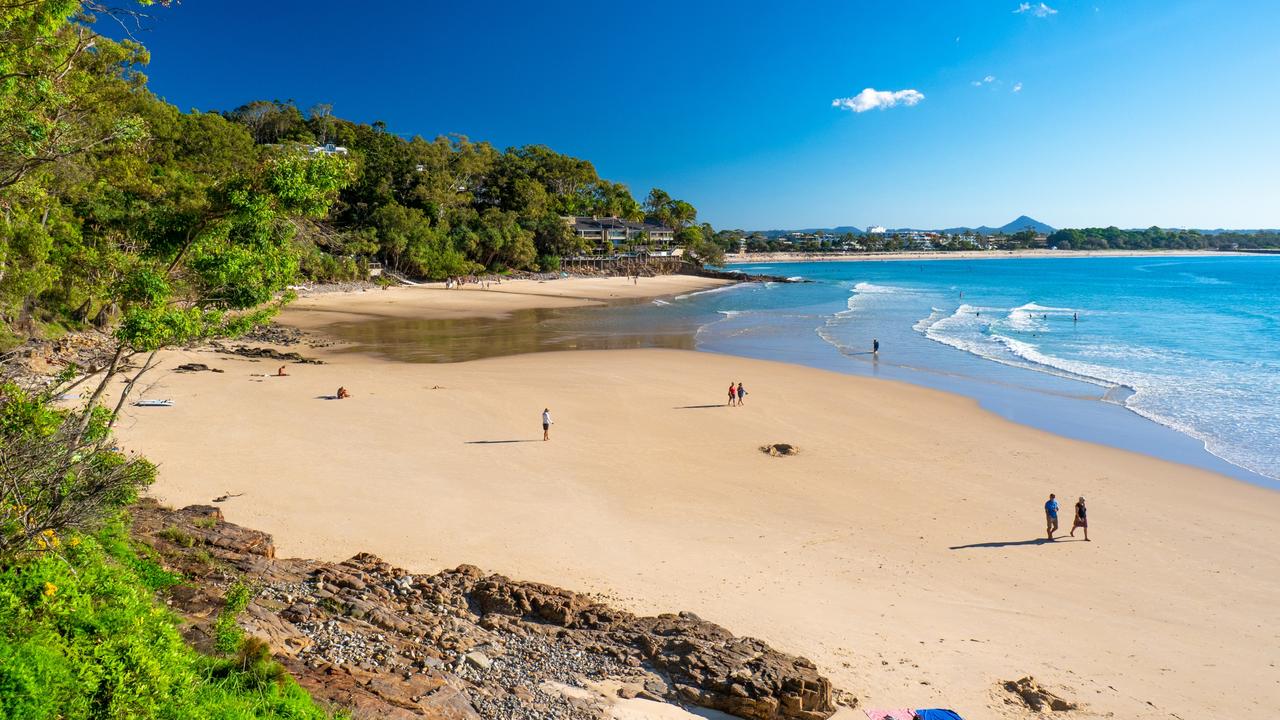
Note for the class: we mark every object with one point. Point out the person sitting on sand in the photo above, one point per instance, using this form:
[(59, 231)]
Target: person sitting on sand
[(281, 372), (1051, 515), (742, 395), (546, 424), (1082, 520), (733, 395), (342, 394)]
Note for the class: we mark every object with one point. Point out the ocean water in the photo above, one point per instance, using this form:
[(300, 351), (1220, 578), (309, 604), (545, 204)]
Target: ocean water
[(1081, 346)]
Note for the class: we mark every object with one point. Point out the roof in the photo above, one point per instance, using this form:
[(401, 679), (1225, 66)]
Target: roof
[(612, 223)]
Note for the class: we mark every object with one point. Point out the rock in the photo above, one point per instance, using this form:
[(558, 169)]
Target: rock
[(372, 639), (741, 676), (195, 367), (1036, 697), (265, 353), (478, 660), (780, 450)]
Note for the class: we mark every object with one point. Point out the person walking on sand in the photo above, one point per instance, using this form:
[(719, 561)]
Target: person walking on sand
[(733, 395), (1082, 520), (546, 424), (1051, 515), (742, 395)]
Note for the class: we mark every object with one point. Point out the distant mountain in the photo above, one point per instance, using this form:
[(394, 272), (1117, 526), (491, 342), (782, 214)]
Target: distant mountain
[(1023, 222)]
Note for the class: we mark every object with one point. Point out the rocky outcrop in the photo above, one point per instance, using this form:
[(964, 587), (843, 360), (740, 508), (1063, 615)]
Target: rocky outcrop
[(37, 361), (737, 275), (382, 642), (264, 353)]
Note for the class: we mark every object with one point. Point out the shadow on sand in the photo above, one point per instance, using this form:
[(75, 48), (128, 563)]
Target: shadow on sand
[(699, 407), (497, 442), (1016, 543)]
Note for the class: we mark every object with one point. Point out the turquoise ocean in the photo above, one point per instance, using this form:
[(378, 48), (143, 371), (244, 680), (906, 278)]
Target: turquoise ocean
[(1173, 356)]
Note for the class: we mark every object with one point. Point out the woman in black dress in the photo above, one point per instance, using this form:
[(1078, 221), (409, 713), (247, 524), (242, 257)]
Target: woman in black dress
[(1082, 519)]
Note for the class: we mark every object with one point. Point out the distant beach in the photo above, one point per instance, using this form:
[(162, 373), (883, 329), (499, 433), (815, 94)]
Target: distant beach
[(789, 257), (902, 548)]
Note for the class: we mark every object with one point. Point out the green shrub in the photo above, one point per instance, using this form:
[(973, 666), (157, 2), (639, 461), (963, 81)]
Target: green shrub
[(227, 635), (82, 637), (61, 473)]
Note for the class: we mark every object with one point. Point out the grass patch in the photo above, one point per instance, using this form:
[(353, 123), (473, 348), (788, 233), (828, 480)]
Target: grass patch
[(177, 536)]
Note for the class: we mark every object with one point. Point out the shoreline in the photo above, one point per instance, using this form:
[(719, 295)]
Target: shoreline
[(887, 551), (514, 309), (498, 301), (795, 257)]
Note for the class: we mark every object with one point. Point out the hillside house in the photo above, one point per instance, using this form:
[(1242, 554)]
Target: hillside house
[(612, 232)]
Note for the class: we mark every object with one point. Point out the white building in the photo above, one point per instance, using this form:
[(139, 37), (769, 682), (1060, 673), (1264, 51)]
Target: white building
[(328, 149), (603, 231)]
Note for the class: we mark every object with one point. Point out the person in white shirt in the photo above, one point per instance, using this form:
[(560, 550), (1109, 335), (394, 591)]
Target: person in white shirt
[(546, 424)]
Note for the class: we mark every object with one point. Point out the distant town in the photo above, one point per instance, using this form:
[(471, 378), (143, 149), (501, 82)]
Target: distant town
[(612, 236)]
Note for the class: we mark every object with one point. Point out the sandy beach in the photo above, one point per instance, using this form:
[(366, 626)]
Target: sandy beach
[(781, 257), (900, 549), (495, 300)]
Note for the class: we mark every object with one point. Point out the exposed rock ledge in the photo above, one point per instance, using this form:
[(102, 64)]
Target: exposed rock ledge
[(460, 644)]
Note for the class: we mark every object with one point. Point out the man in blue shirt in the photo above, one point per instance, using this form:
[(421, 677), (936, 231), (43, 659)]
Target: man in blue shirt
[(1051, 515)]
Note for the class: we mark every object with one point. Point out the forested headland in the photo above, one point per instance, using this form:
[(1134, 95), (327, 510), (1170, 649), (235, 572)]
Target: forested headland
[(108, 193)]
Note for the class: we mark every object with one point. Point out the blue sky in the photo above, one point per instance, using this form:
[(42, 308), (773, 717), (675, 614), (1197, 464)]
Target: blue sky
[(1096, 112)]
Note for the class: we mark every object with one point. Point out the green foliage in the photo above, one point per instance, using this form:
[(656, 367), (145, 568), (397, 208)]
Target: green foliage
[(82, 637), (700, 248), (57, 474), (120, 210), (227, 635), (1154, 238), (178, 537)]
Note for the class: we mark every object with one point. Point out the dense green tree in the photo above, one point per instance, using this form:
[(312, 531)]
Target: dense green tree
[(614, 200), (553, 238), (273, 122), (700, 248)]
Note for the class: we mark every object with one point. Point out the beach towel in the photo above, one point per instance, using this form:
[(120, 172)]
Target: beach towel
[(154, 403), (898, 714), (938, 715)]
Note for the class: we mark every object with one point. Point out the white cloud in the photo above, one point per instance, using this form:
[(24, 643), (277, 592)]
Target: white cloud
[(1017, 87), (989, 79), (872, 99), (1039, 9), (984, 81)]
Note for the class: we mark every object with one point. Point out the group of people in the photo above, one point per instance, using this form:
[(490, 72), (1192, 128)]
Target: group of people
[(457, 281), (737, 395), (1051, 517)]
